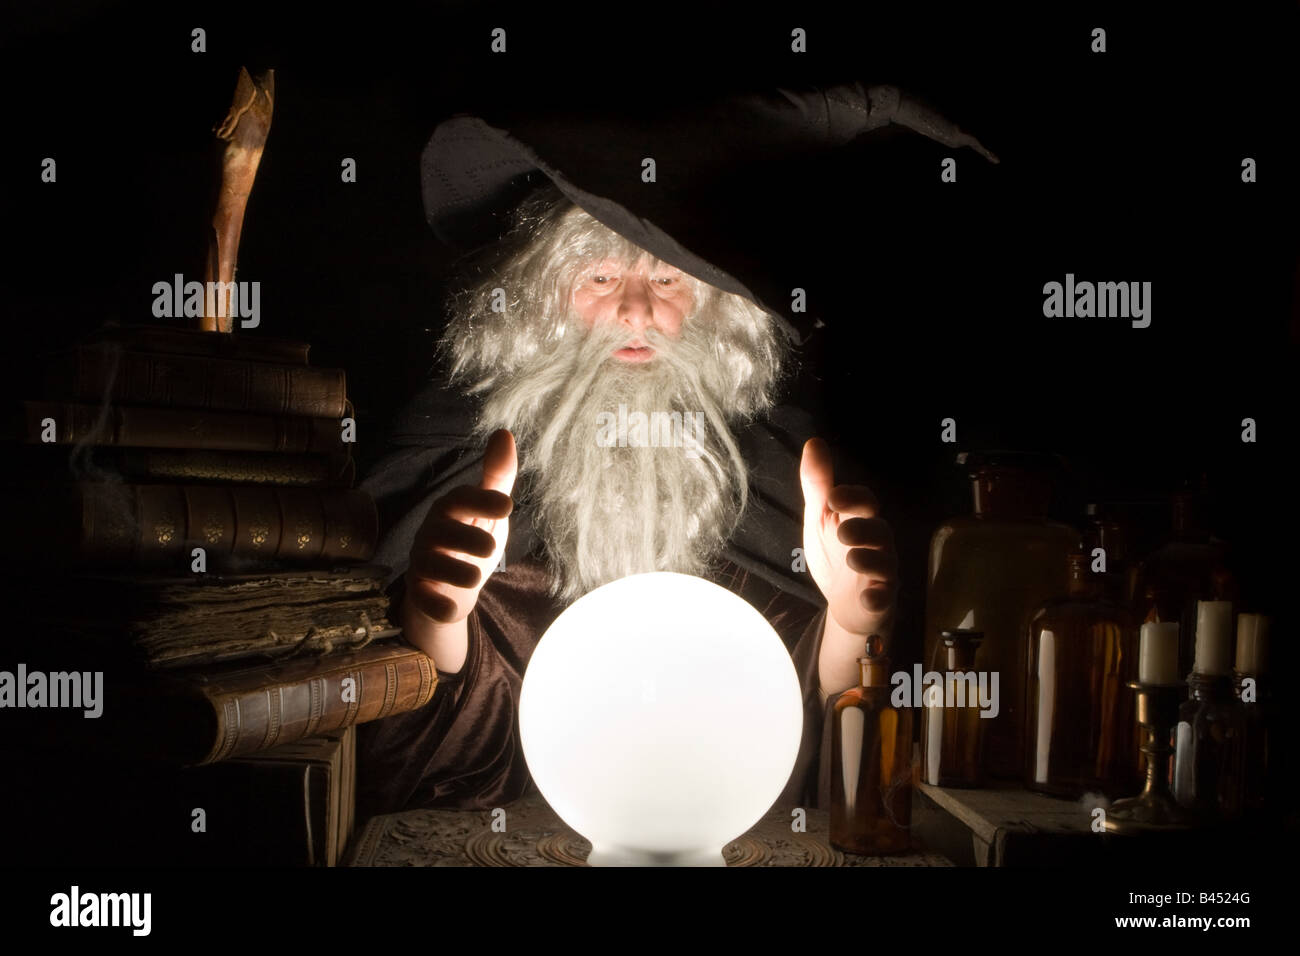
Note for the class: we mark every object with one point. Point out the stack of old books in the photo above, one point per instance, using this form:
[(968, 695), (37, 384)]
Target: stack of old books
[(185, 501)]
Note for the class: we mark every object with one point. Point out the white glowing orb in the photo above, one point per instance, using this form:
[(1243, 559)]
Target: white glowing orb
[(660, 717)]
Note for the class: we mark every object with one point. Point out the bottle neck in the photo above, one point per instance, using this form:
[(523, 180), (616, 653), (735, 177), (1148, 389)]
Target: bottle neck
[(1002, 492), (959, 659), (1189, 518), (1082, 583), (1110, 536), (960, 646), (1209, 686), (873, 671)]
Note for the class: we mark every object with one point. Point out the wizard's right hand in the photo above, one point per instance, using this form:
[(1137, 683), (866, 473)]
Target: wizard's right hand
[(463, 538)]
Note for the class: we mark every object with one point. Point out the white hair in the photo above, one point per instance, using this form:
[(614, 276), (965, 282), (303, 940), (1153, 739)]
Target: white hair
[(606, 512)]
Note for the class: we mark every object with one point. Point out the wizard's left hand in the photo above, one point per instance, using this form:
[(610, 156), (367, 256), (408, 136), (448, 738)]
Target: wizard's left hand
[(849, 549)]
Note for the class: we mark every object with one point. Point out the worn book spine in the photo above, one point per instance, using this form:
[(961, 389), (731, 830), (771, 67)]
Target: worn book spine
[(67, 423), (348, 790), (259, 708), (188, 465), (159, 525), (100, 373), (185, 341), (239, 467), (325, 818)]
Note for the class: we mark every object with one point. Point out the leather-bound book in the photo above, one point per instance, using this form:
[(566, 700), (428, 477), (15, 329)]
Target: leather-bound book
[(158, 526), (315, 778), (201, 620), (60, 463), (96, 372), (186, 341), (144, 427), (289, 806), (204, 718)]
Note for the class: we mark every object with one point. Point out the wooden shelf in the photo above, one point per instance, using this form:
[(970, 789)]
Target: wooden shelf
[(1016, 827)]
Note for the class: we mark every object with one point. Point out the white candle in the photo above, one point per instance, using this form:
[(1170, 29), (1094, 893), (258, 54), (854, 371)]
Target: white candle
[(1158, 654), (1252, 643), (1213, 637)]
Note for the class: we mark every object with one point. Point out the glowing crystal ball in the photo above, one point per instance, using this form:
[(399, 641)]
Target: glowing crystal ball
[(660, 717)]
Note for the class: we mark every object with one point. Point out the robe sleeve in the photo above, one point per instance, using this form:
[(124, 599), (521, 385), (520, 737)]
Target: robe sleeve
[(462, 750), (806, 788)]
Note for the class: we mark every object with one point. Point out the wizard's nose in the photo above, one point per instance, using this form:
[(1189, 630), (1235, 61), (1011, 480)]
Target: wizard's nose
[(634, 307)]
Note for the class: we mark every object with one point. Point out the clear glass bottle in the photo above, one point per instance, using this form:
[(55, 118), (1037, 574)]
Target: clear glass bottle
[(991, 571), (1211, 723), (952, 737), (871, 763), (1191, 567), (1081, 732)]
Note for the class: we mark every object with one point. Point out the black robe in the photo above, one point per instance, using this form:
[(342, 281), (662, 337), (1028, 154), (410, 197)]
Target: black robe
[(462, 749)]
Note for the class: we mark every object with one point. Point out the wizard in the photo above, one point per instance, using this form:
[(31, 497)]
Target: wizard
[(603, 282)]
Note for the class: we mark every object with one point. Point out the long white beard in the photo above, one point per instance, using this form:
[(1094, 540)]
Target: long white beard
[(607, 512)]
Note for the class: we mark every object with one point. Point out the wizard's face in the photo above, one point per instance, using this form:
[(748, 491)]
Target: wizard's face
[(633, 296), (597, 326)]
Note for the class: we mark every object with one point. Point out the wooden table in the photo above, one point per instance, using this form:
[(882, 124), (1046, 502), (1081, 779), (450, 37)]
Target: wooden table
[(535, 836)]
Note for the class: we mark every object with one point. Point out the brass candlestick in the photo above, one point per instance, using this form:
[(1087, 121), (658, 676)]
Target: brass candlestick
[(1154, 808)]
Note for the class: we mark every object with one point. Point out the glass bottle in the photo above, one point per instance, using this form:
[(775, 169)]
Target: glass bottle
[(1081, 732), (952, 736), (1251, 688), (871, 763), (1103, 529), (1211, 722), (991, 571), (1191, 567)]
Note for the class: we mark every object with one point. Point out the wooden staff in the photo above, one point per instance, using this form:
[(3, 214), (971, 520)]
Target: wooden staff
[(244, 131)]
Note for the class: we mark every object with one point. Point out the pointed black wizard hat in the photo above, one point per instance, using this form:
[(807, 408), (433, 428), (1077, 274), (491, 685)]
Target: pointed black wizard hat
[(667, 181)]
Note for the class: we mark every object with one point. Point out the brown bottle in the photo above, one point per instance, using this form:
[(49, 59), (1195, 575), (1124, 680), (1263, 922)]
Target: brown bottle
[(952, 736), (990, 572), (1250, 686), (871, 763), (1191, 567), (1081, 731)]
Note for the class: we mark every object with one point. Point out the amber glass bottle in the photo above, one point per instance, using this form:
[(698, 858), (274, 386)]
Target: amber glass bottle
[(871, 764), (990, 572), (1191, 567), (1081, 731), (1211, 723), (952, 737)]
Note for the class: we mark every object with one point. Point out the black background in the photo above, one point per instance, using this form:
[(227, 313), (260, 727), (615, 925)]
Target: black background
[(1117, 166)]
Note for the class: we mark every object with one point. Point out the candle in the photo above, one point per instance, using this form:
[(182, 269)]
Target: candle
[(1252, 643), (1213, 637), (1158, 654)]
